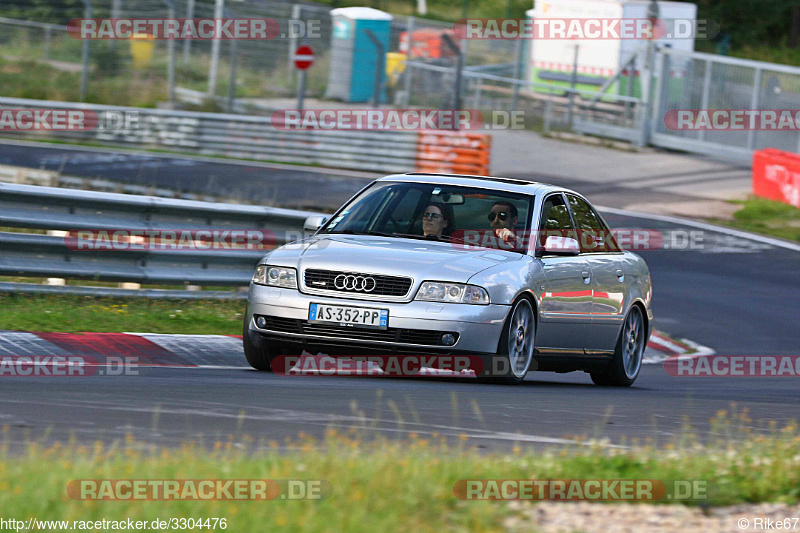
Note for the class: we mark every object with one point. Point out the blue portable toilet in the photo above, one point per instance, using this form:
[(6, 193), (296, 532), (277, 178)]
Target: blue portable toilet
[(351, 77)]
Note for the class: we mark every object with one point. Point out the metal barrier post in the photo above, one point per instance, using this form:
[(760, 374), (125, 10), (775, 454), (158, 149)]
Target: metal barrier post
[(409, 57), (212, 71), (170, 56), (187, 43), (519, 58), (297, 14), (114, 15), (476, 91), (659, 104), (548, 110), (87, 13), (573, 80), (232, 81), (376, 94), (46, 42), (704, 99), (751, 134), (459, 68)]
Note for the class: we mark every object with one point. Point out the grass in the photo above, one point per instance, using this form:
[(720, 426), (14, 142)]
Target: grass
[(71, 313), (128, 86), (767, 217), (384, 485), (771, 54)]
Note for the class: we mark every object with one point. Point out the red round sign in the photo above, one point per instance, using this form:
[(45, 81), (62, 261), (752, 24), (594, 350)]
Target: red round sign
[(303, 57)]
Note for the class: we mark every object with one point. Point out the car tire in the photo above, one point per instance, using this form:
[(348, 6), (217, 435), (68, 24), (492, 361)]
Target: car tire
[(259, 357), (626, 364), (516, 348)]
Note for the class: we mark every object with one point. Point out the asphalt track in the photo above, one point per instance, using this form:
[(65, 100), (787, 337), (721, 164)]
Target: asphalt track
[(735, 295), (286, 186)]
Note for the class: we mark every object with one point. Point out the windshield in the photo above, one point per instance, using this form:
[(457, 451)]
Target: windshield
[(491, 219)]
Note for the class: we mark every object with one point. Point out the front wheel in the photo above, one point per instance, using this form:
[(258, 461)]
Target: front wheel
[(259, 357), (515, 352), (624, 368)]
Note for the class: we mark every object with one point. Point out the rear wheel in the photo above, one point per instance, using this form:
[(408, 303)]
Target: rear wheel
[(624, 368), (515, 352)]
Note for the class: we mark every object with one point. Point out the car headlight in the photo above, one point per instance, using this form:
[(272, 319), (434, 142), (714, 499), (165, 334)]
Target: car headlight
[(276, 276), (436, 291)]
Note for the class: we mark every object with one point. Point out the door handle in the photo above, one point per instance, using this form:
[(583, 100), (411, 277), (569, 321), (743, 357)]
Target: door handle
[(620, 275), (586, 276)]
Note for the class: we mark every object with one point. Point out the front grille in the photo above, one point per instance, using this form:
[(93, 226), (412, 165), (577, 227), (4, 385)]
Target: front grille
[(384, 285), (406, 336)]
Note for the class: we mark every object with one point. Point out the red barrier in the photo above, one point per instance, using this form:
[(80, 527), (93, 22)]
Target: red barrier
[(776, 175), (453, 152)]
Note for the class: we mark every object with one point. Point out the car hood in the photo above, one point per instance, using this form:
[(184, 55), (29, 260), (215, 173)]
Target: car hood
[(418, 259)]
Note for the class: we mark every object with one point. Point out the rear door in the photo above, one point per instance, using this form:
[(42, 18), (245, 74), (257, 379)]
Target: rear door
[(608, 275), (566, 304)]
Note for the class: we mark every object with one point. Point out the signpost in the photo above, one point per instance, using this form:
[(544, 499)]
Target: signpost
[(303, 58)]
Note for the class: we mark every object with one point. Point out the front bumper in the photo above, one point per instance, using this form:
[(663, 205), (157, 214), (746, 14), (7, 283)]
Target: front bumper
[(479, 327)]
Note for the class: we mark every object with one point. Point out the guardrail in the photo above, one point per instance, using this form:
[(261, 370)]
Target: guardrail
[(64, 210), (239, 136)]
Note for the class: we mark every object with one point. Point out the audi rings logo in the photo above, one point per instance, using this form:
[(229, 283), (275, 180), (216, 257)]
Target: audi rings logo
[(354, 283)]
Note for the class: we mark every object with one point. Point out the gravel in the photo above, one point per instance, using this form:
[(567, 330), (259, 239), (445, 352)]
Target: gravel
[(571, 517)]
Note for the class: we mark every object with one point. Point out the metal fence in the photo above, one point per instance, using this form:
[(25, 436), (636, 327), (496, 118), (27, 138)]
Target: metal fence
[(494, 77), (705, 81), (259, 73), (30, 254)]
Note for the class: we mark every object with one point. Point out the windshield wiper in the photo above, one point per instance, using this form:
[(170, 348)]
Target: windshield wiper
[(364, 232), (382, 234)]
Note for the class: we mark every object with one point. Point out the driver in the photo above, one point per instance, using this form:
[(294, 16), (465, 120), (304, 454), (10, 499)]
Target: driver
[(437, 219)]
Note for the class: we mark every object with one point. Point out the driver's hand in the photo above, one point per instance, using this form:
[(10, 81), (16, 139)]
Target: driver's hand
[(506, 235)]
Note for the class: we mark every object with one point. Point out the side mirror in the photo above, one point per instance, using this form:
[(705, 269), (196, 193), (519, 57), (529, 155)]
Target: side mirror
[(555, 245), (314, 222)]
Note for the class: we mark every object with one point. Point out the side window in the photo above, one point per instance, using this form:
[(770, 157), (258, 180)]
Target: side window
[(593, 235), (555, 219)]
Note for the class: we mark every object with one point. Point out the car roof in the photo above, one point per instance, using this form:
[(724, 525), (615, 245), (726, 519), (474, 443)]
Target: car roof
[(516, 185)]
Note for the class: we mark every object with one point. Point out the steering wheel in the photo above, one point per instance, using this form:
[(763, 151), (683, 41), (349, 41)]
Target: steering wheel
[(395, 223)]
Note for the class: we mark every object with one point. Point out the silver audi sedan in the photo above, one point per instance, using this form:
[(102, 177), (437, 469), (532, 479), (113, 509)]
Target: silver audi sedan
[(516, 274)]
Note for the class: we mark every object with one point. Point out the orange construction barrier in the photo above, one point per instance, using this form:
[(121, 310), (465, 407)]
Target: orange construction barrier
[(776, 175), (453, 152)]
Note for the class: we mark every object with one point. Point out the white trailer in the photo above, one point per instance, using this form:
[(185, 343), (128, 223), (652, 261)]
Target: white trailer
[(551, 59)]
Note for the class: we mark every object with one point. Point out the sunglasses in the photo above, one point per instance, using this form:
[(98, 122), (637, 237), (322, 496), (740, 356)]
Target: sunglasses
[(431, 216), (502, 215)]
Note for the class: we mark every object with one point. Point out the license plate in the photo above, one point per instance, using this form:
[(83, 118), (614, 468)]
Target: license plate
[(349, 316)]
